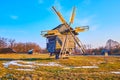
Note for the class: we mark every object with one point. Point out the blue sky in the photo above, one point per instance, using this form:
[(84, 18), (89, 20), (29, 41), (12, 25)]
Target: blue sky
[(23, 20)]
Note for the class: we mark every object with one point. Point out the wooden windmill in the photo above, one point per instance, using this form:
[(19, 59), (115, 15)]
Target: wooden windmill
[(63, 39)]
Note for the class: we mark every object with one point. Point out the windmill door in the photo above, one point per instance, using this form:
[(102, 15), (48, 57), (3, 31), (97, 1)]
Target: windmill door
[(51, 44)]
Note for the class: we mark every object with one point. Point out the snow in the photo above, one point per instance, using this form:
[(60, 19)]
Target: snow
[(115, 72), (25, 69), (49, 64), (30, 66), (81, 67), (6, 65)]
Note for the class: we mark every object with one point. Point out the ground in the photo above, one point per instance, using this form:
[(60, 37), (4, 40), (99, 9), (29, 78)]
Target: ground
[(41, 67)]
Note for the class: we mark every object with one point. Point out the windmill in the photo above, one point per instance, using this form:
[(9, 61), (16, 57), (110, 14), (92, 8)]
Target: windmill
[(63, 39)]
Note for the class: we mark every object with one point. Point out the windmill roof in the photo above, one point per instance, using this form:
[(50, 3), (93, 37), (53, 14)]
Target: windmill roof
[(61, 25), (62, 29), (58, 26)]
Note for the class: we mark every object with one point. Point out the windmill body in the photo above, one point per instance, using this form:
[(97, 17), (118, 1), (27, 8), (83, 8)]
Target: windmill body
[(62, 40)]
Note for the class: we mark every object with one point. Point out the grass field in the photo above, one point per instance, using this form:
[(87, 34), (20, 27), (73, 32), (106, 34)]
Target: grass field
[(41, 67)]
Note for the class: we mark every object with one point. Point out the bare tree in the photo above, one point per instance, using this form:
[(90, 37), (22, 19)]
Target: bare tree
[(11, 41), (3, 42)]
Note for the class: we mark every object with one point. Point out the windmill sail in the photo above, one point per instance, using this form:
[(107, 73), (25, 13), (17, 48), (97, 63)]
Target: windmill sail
[(72, 16), (59, 15), (68, 27)]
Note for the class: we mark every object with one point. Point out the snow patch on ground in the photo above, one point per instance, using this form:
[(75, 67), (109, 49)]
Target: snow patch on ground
[(81, 67), (49, 64), (31, 65), (115, 72), (16, 63), (25, 69)]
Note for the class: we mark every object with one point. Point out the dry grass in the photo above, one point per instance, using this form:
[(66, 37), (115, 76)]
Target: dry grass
[(58, 73), (22, 56)]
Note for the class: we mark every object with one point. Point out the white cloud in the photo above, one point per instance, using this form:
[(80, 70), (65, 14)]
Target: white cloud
[(84, 21), (94, 27), (57, 4), (14, 17), (40, 1), (12, 31), (86, 2), (89, 21)]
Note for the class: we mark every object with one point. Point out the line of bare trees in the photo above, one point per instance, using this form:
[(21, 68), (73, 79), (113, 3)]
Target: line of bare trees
[(20, 46)]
